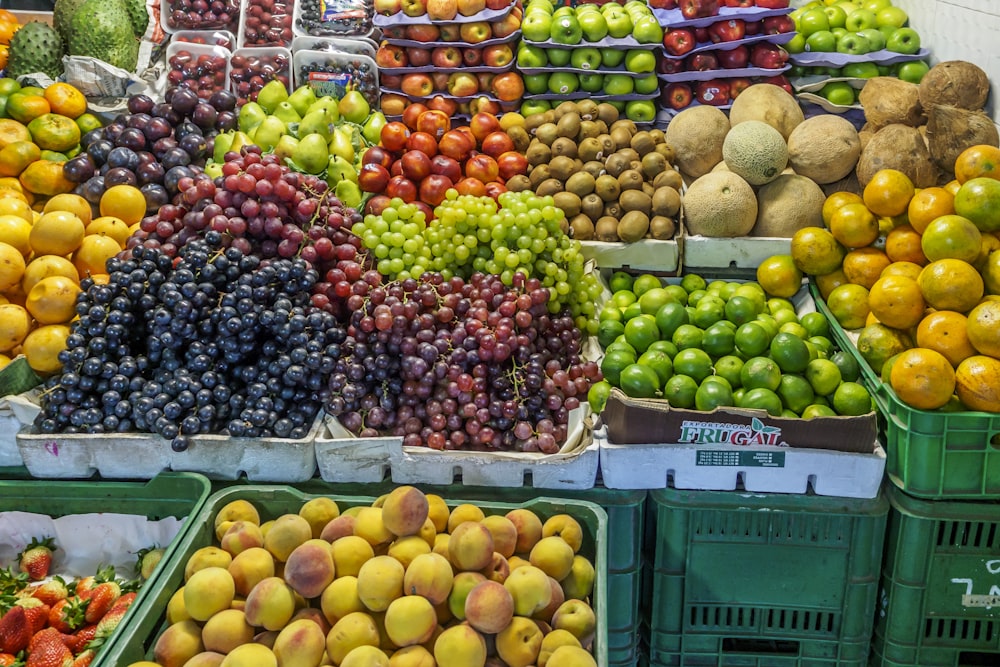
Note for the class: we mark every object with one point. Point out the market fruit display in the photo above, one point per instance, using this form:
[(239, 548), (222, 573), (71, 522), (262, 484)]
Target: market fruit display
[(408, 580), (702, 345)]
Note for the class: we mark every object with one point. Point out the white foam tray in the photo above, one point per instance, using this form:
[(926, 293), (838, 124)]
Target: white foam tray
[(10, 455), (723, 468), (744, 252), (143, 456), (645, 255)]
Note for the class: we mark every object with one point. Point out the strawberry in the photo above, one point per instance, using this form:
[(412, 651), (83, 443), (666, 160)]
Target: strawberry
[(107, 625), (101, 599), (84, 659), (35, 611), (10, 660), (86, 585), (11, 582), (37, 558), (15, 633), (66, 615), (47, 650), (51, 591), (84, 636), (147, 560)]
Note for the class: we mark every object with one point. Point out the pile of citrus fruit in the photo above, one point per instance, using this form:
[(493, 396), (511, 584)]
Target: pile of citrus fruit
[(701, 345), (43, 257), (917, 273)]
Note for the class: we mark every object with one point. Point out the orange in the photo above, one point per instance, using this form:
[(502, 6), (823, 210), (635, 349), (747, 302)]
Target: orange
[(828, 281), (854, 225), (888, 193), (836, 200), (71, 203), (66, 100), (815, 251), (11, 131), (11, 266), (53, 300), (951, 284), (951, 237), (923, 379), (94, 252), (991, 273), (42, 346), (929, 204), (15, 323), (849, 304), (903, 245), (979, 201), (45, 178), (990, 245), (53, 132), (128, 204), (977, 382), (984, 328), (863, 266), (24, 107), (14, 157), (779, 276), (877, 343), (952, 187), (944, 331), (9, 24), (908, 269), (976, 161), (56, 233), (897, 302), (44, 266)]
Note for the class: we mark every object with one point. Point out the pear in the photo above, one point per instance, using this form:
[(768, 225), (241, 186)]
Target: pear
[(311, 155), (302, 98), (354, 107), (342, 143), (251, 115), (286, 146), (287, 113), (223, 142), (240, 139), (340, 169), (315, 122), (372, 128), (268, 133), (214, 169), (329, 105), (271, 95), (348, 193)]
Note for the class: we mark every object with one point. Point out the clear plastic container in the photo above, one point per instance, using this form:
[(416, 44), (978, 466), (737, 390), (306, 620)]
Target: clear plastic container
[(333, 18), (331, 73), (263, 26), (204, 68), (251, 68), (223, 38), (176, 15), (361, 46)]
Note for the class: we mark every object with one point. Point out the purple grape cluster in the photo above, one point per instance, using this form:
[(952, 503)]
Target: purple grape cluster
[(449, 364)]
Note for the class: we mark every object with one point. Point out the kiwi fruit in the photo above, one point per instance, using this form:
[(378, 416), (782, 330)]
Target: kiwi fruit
[(549, 187), (607, 144), (627, 124), (621, 136), (581, 183), (616, 164), (520, 137), (561, 167), (606, 229), (569, 125), (642, 143), (633, 226), (635, 200), (542, 172), (662, 228), (658, 136), (538, 153), (547, 133), (564, 108), (613, 210), (630, 179), (630, 154), (590, 149), (670, 178), (588, 129), (607, 188), (568, 202), (536, 120), (587, 109), (607, 112), (581, 228), (518, 183), (594, 167), (666, 202), (592, 206), (648, 188), (564, 146), (652, 164), (602, 126), (564, 225), (667, 151)]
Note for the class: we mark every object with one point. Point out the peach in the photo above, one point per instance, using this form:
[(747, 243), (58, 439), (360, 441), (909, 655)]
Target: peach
[(577, 617), (405, 549), (462, 513), (404, 511), (429, 575), (441, 541), (340, 599), (498, 570), (410, 620), (270, 604), (460, 589), (309, 568), (210, 556), (529, 529), (579, 583), (288, 532), (313, 614), (369, 525), (566, 527), (554, 640), (350, 553), (412, 656), (380, 581), (460, 646), (571, 656), (553, 556), (240, 536), (470, 547), (175, 608), (319, 512), (250, 655), (366, 656), (558, 597), (530, 588), (236, 510), (489, 607), (355, 629), (301, 643), (504, 534), (519, 643), (437, 512), (226, 630), (341, 526), (208, 592), (179, 643), (249, 567), (428, 532), (204, 659)]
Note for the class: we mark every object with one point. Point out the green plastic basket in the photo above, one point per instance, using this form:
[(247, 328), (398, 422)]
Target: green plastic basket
[(754, 580), (940, 601), (930, 454), (137, 641), (178, 495)]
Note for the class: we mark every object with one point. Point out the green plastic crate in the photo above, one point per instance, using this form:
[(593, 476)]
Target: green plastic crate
[(930, 454), (940, 601), (755, 580), (166, 495), (137, 641)]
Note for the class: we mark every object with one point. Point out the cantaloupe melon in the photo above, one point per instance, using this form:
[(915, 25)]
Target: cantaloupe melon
[(696, 134), (769, 103), (824, 148), (756, 151), (787, 204), (721, 205)]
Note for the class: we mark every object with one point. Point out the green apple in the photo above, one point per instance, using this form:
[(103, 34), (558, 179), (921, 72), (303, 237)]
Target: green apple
[(887, 31), (542, 4), (565, 30), (591, 83), (848, 6), (885, 70), (536, 27), (531, 107), (912, 71), (559, 57), (647, 30), (586, 58), (564, 11), (619, 23), (821, 41), (876, 39), (860, 70), (839, 32), (903, 40), (646, 85), (836, 16), (860, 20), (854, 44), (586, 9), (617, 104), (563, 83), (796, 44), (798, 70), (839, 93), (876, 5), (531, 56), (891, 16), (536, 84), (640, 61), (640, 111), (611, 57), (618, 84), (593, 25), (813, 20)]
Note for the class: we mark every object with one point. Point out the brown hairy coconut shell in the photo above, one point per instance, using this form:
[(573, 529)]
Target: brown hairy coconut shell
[(950, 130), (889, 100), (955, 83), (898, 147)]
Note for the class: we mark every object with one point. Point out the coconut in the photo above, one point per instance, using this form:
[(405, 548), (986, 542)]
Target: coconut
[(720, 205), (955, 83), (824, 148), (889, 100), (786, 205), (847, 184), (696, 134), (898, 147), (950, 130), (767, 103)]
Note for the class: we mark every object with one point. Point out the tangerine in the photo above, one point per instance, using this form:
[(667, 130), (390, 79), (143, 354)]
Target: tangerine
[(951, 237), (53, 132), (928, 205), (908, 269), (57, 233), (863, 266), (983, 327), (829, 281), (66, 100), (15, 323), (878, 342), (979, 200), (945, 331), (779, 276), (44, 266), (976, 161), (923, 378), (903, 245), (951, 284), (991, 272), (25, 107), (45, 177), (815, 251), (53, 300), (11, 266), (16, 156), (897, 302), (836, 200), (854, 226), (849, 304), (11, 131), (888, 193), (977, 383), (42, 346)]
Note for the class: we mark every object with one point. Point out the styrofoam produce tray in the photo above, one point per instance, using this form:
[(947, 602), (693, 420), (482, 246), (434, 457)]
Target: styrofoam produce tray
[(760, 468), (742, 252), (10, 455), (644, 255)]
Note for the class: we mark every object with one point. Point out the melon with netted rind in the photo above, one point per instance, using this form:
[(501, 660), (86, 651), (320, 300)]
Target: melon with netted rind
[(824, 148), (696, 135), (756, 151), (768, 103), (786, 205), (720, 204)]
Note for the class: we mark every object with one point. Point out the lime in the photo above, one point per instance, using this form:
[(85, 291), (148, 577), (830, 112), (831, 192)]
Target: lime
[(641, 331), (776, 304), (768, 322), (787, 318), (788, 414), (848, 365), (687, 335), (816, 410), (597, 396), (620, 344), (665, 346), (752, 339), (693, 282), (623, 298), (822, 344), (728, 290), (694, 297), (740, 309), (631, 310), (719, 379), (755, 293), (852, 399), (620, 280), (719, 340), (760, 372), (680, 390), (796, 393), (823, 376), (659, 362), (610, 312), (715, 287), (639, 381), (653, 299), (762, 399), (709, 311), (644, 283), (711, 394), (608, 331), (694, 362), (669, 317), (614, 363), (790, 352), (729, 367), (816, 324), (677, 293)]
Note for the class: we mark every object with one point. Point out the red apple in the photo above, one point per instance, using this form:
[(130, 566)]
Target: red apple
[(693, 9), (425, 209), (768, 56), (418, 57), (483, 167), (476, 32), (727, 31), (389, 55), (471, 186), (781, 81), (440, 80), (679, 42), (662, 4), (411, 113), (416, 165), (402, 187), (772, 4), (511, 164), (394, 32), (423, 33), (498, 55), (433, 122), (506, 27), (497, 143), (451, 32), (377, 204), (417, 85), (423, 142), (393, 136), (447, 57), (373, 178), (738, 85), (494, 190), (753, 27), (391, 81), (483, 104), (442, 10), (377, 155), (472, 57), (396, 169), (701, 35), (464, 129), (704, 61), (508, 87), (714, 92), (387, 7), (734, 58), (777, 25), (441, 103), (669, 65), (471, 7), (497, 5), (739, 3), (413, 7), (485, 80), (434, 188), (677, 96), (483, 124), (446, 166)]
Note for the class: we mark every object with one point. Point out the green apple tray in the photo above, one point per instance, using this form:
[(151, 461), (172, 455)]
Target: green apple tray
[(628, 42), (620, 69), (831, 59)]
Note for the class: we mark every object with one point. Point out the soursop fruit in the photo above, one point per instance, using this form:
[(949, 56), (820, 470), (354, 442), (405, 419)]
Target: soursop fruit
[(139, 16), (36, 47), (102, 29), (62, 15)]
